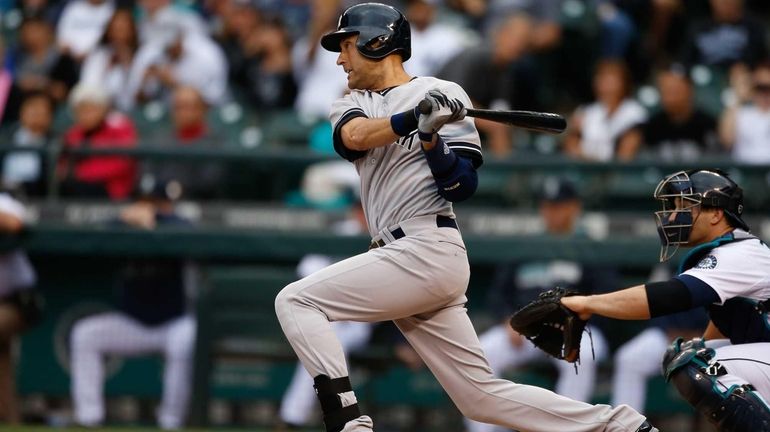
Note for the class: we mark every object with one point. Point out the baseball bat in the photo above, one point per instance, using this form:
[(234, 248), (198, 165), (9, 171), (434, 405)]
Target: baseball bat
[(532, 120)]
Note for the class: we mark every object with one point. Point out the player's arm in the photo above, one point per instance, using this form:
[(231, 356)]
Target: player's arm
[(355, 133), (629, 304), (362, 134), (651, 300), (453, 171)]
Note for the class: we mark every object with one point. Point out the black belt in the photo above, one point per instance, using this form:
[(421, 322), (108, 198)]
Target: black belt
[(441, 222)]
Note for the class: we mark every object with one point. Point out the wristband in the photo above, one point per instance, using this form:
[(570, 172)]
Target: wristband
[(425, 136), (404, 123)]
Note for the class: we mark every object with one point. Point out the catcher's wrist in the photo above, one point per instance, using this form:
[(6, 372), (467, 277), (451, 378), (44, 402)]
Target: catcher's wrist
[(405, 122)]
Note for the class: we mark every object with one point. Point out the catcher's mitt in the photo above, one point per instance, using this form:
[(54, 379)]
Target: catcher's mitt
[(551, 326)]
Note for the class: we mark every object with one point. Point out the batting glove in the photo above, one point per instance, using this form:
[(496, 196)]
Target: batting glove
[(443, 111)]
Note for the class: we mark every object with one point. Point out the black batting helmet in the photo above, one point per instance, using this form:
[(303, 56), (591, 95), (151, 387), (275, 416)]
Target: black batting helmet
[(704, 187), (381, 30)]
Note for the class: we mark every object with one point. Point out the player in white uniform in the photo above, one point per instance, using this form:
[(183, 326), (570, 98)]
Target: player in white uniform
[(412, 168), (727, 377)]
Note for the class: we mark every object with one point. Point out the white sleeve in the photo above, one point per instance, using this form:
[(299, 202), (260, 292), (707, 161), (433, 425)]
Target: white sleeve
[(148, 54), (214, 84), (64, 28), (728, 273)]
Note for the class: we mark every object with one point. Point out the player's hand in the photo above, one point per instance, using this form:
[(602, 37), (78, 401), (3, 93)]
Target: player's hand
[(577, 304), (443, 111)]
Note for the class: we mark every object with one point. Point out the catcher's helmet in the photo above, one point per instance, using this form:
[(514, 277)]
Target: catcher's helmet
[(381, 30), (682, 191)]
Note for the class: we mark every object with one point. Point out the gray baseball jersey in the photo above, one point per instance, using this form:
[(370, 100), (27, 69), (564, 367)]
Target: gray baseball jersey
[(396, 182)]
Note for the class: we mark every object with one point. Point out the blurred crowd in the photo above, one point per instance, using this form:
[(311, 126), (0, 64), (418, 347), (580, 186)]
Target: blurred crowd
[(657, 80), (671, 80)]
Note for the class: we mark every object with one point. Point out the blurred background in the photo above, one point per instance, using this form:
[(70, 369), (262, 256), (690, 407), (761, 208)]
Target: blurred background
[(167, 167)]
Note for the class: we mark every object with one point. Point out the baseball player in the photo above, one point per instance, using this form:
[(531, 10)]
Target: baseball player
[(727, 377), (412, 168)]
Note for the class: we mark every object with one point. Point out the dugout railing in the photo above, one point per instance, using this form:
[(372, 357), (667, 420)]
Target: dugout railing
[(271, 173)]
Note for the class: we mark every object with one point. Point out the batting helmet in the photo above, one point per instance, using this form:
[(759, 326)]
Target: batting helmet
[(381, 30), (682, 191)]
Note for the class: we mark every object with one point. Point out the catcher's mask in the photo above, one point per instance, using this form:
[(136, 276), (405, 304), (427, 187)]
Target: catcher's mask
[(682, 191)]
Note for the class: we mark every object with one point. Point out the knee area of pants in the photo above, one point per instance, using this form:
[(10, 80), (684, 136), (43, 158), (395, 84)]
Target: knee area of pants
[(82, 332), (283, 300), (180, 349)]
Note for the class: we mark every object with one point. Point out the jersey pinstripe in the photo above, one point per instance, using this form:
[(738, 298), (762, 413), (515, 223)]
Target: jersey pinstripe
[(396, 182)]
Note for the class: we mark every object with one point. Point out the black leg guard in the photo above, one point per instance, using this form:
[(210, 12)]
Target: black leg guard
[(329, 391), (738, 409)]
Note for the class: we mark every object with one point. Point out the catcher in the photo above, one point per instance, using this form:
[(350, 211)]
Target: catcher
[(725, 375)]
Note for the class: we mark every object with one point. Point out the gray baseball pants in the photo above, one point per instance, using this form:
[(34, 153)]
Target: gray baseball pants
[(419, 282)]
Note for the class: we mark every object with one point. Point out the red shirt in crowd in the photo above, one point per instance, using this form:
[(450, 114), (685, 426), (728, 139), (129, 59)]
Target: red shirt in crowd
[(117, 173)]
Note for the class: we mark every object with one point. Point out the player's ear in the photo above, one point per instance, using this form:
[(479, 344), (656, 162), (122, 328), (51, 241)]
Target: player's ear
[(716, 215)]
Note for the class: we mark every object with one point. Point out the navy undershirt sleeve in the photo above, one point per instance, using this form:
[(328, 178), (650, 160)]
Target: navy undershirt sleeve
[(678, 294), (702, 294), (455, 175)]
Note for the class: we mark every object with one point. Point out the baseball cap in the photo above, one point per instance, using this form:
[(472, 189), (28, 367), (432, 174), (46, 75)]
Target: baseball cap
[(558, 189)]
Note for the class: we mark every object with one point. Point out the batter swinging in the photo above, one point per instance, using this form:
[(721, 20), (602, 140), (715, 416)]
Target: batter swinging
[(412, 168)]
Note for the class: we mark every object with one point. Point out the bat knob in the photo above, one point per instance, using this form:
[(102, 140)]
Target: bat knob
[(425, 107)]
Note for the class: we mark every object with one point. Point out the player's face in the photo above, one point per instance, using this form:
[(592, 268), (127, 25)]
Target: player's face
[(559, 217), (362, 72), (701, 231)]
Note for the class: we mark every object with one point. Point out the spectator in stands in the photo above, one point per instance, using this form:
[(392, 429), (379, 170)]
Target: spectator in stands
[(152, 317), (110, 62), (258, 52), (48, 10), (38, 65), (667, 25), (509, 80), (601, 131), (618, 29), (181, 57), (161, 19), (638, 359), (516, 284), (744, 128), (680, 131), (10, 94), (203, 179), (20, 304), (96, 127), (546, 29), (81, 25), (729, 36), (25, 171), (433, 43)]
